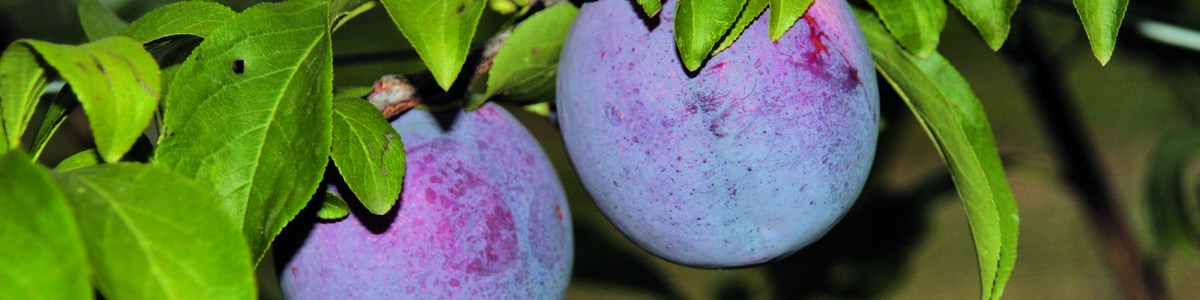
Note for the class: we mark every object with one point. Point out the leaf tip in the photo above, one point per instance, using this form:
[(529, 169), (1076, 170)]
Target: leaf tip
[(1103, 55)]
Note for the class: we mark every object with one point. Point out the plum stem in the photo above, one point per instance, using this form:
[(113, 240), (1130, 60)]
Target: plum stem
[(1080, 167)]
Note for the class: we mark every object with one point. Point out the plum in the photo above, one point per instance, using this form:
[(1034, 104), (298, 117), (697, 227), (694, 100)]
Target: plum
[(748, 160), (482, 216)]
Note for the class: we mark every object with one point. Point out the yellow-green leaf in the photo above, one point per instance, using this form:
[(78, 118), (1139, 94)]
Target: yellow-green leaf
[(748, 15), (117, 82), (942, 101), (42, 256), (700, 25), (1102, 21), (990, 17), (917, 24), (525, 67), (440, 31), (784, 14), (368, 153), (198, 18), (249, 114), (154, 234)]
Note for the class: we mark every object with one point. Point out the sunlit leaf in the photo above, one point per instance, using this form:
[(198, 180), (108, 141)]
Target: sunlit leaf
[(784, 14), (153, 234), (650, 7), (1102, 21), (440, 31), (368, 153), (333, 207), (252, 120), (22, 82), (116, 81), (525, 67), (700, 24), (753, 9), (79, 160), (198, 18), (42, 255), (948, 110)]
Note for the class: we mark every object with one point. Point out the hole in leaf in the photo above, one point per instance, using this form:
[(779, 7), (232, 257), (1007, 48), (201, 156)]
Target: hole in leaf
[(239, 66)]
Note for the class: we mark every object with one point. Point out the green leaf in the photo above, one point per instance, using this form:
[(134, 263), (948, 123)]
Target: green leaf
[(22, 82), (954, 119), (917, 24), (98, 21), (115, 79), (1102, 21), (784, 14), (341, 11), (154, 234), (333, 207), (650, 7), (748, 15), (700, 24), (440, 31), (198, 18), (1173, 221), (253, 123), (79, 160), (368, 153), (43, 254), (63, 104), (525, 67), (990, 17)]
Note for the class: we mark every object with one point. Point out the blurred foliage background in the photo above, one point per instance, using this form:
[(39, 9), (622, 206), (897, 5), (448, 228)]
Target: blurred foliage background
[(907, 237)]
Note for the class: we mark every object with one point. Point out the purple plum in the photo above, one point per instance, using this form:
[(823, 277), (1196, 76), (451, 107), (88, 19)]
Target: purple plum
[(482, 216), (748, 160)]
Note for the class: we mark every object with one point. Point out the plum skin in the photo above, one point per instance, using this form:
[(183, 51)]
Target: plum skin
[(482, 215), (750, 159)]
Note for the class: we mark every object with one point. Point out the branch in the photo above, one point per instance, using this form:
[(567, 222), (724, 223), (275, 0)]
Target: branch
[(1080, 166)]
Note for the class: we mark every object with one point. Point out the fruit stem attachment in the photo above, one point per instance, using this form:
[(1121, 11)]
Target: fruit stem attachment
[(393, 95)]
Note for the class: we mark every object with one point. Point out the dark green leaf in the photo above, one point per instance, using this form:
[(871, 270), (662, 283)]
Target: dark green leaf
[(154, 234), (525, 67), (990, 17), (950, 113), (98, 21), (748, 15), (42, 256), (79, 160), (917, 24), (1173, 221), (700, 24), (198, 18), (333, 207), (22, 82), (115, 79), (1102, 21), (64, 103), (253, 123), (650, 7), (784, 14), (440, 31), (368, 153)]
